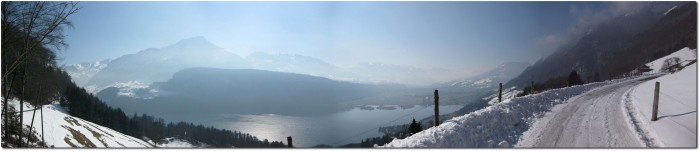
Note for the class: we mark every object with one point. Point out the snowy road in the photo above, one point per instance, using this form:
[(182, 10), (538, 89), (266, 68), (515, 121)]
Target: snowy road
[(593, 119)]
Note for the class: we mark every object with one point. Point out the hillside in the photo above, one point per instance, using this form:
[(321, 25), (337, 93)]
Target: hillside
[(65, 131), (62, 130), (685, 55), (618, 44), (677, 117), (676, 30)]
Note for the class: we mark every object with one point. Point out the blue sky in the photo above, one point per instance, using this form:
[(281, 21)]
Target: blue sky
[(452, 35)]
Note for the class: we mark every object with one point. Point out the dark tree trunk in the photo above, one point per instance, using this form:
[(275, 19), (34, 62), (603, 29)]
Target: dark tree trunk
[(31, 126), (4, 109)]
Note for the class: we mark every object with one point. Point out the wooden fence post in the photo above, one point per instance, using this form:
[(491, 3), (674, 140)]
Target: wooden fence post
[(42, 127), (656, 103), (500, 92), (289, 141), (437, 110)]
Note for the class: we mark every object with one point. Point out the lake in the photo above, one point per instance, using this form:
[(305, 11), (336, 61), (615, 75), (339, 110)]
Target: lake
[(336, 129)]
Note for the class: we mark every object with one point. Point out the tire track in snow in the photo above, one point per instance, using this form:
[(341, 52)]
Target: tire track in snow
[(590, 119)]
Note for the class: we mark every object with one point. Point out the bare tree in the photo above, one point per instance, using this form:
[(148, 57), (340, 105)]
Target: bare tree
[(40, 23), (28, 26), (671, 64)]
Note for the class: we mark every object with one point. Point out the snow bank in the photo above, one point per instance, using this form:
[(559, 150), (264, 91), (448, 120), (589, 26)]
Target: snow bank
[(63, 130), (499, 125), (677, 115)]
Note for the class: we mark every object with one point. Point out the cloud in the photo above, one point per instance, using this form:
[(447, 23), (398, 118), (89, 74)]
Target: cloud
[(586, 17), (624, 7), (550, 42)]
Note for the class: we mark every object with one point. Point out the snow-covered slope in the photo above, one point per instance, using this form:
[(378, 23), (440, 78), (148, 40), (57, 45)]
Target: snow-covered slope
[(499, 125), (685, 55), (63, 130), (677, 115), (508, 94)]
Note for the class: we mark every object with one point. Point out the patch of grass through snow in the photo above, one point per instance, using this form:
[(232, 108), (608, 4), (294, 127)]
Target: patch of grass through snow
[(80, 137)]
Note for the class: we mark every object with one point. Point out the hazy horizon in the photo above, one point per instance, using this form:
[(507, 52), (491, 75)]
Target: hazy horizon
[(465, 37), (361, 74)]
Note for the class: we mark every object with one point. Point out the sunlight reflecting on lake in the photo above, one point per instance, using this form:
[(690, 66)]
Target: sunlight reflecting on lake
[(335, 129)]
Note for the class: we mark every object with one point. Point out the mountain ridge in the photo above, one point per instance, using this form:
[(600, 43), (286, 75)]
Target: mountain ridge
[(158, 64), (590, 54)]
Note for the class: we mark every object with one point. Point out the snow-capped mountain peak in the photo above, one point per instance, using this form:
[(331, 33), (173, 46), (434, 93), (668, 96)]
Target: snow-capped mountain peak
[(81, 73)]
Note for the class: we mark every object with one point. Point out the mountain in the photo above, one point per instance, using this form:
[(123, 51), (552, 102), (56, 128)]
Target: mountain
[(376, 72), (81, 73), (605, 43), (159, 64), (208, 91), (363, 72), (491, 78), (294, 63)]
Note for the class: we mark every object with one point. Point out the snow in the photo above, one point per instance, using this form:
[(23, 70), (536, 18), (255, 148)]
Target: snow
[(62, 129), (593, 119), (81, 73), (482, 82), (520, 121), (684, 54), (172, 142), (508, 94), (677, 113), (133, 88), (499, 125)]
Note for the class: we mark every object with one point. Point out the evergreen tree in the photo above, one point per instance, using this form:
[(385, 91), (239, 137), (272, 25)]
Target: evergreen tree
[(414, 127), (574, 78)]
